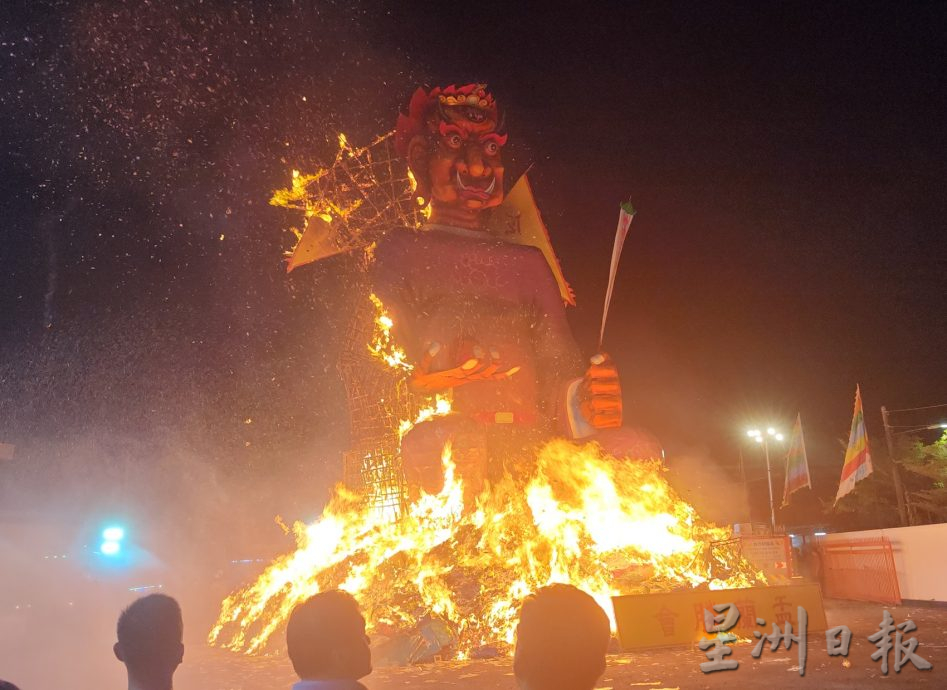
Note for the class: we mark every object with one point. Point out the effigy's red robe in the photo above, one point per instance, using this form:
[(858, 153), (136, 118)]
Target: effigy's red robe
[(464, 288)]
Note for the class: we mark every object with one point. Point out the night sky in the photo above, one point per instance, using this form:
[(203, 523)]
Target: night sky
[(788, 165)]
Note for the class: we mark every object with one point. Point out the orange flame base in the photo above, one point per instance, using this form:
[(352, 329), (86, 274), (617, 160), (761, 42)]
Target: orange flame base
[(607, 526)]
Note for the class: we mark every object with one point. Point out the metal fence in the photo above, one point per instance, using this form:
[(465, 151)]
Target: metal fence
[(860, 569)]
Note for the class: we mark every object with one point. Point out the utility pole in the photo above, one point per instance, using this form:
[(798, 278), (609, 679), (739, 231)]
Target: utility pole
[(763, 439), (769, 476), (746, 493), (895, 469)]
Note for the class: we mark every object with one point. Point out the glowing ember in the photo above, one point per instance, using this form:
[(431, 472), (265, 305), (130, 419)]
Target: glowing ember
[(579, 516), (351, 202), (382, 345), (438, 406)]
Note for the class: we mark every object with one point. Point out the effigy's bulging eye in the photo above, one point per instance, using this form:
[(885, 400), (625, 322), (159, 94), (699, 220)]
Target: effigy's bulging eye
[(491, 148)]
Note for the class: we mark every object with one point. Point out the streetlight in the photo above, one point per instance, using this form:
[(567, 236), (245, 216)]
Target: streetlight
[(764, 439)]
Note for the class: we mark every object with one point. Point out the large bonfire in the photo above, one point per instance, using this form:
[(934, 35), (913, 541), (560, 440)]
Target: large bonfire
[(568, 513), (607, 526)]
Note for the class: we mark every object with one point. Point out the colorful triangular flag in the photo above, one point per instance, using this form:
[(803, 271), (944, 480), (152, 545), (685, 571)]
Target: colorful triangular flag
[(857, 464), (797, 465)]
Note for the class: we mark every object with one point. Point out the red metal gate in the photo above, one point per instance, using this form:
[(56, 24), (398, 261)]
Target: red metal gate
[(860, 569)]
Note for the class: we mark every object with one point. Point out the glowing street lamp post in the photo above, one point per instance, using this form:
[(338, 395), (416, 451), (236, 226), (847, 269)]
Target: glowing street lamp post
[(763, 439)]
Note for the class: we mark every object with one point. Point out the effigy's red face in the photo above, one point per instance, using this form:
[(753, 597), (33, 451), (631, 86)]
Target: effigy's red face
[(465, 167)]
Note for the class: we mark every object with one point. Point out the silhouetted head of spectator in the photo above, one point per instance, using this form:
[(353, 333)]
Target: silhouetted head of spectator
[(326, 639), (561, 640), (150, 641), (4, 685)]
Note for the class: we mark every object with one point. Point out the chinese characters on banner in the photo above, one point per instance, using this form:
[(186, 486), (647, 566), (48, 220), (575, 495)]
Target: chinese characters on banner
[(673, 618), (837, 640)]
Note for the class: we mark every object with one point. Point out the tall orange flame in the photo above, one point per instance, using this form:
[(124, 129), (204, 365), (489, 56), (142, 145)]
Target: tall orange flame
[(581, 516)]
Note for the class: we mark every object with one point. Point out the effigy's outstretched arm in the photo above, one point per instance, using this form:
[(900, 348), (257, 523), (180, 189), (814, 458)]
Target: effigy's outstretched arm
[(481, 366)]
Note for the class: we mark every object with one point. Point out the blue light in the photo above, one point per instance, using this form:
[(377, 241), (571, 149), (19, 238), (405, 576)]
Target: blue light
[(113, 534), (110, 548)]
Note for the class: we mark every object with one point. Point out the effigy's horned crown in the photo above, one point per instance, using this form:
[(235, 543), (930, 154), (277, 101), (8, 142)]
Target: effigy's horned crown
[(472, 95)]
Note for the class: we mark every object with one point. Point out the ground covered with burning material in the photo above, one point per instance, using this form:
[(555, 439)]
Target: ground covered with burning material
[(458, 564), (676, 667)]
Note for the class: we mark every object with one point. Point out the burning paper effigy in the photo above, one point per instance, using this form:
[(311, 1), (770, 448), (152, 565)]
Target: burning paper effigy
[(486, 459)]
